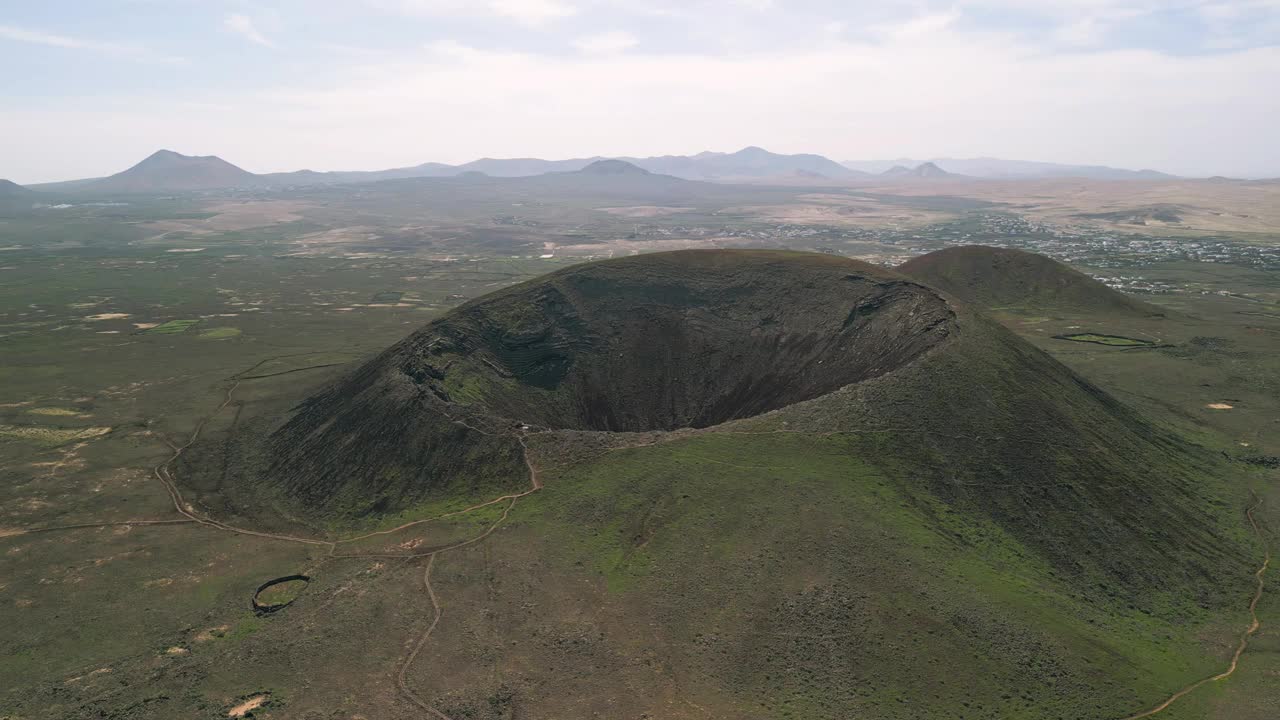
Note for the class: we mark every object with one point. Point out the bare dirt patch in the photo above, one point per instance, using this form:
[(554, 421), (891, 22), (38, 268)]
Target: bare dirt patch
[(337, 237), (50, 436), (56, 412), (212, 633), (619, 247), (839, 210), (643, 211), (248, 706), (231, 217), (1202, 205)]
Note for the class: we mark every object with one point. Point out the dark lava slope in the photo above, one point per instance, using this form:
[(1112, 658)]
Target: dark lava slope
[(673, 341), (991, 277), (696, 339), (654, 342)]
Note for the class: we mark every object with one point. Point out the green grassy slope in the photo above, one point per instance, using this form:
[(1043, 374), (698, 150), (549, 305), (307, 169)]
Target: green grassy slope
[(967, 530), (1005, 278), (790, 575)]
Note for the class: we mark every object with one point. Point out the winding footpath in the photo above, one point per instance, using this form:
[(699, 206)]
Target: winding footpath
[(1244, 639)]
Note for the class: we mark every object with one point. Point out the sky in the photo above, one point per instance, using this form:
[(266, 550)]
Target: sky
[(1185, 86)]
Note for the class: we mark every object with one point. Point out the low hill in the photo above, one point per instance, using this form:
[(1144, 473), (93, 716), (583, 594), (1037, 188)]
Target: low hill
[(795, 485), (931, 170), (8, 188), (990, 277), (747, 163), (168, 171), (522, 167), (996, 168), (340, 177), (926, 170), (613, 167)]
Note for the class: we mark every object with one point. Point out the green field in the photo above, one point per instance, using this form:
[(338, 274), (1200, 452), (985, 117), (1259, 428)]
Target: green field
[(711, 575), (220, 333), (172, 327)]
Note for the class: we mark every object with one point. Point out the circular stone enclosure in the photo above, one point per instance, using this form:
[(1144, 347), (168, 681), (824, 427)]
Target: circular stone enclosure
[(674, 340), (278, 594)]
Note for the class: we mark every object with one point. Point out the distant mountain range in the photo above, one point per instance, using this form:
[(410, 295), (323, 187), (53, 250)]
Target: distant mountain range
[(168, 171), (995, 168)]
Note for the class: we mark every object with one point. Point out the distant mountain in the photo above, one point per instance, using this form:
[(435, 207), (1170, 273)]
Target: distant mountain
[(613, 167), (339, 177), (879, 167), (926, 170), (931, 170), (612, 181), (749, 163), (520, 167), (996, 168), (168, 171), (8, 188), (13, 195)]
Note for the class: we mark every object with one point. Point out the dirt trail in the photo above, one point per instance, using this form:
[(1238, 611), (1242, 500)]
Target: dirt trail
[(84, 526), (422, 642), (1244, 639), (438, 611)]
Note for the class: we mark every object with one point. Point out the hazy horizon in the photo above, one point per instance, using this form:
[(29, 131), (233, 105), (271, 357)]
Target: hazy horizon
[(1185, 87), (848, 162)]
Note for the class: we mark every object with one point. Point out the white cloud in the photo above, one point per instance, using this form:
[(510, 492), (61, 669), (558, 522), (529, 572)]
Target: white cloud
[(243, 25), (1133, 108), (925, 86), (919, 25), (606, 42), (37, 37), (1080, 33), (532, 12), (528, 12)]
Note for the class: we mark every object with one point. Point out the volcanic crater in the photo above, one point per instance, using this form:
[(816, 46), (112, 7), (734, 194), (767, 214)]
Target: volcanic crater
[(658, 342), (683, 340)]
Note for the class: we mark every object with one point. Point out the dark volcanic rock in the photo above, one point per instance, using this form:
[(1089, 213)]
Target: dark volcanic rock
[(655, 342)]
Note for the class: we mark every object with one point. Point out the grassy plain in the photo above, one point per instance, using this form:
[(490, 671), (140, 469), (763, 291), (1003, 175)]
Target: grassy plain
[(584, 601)]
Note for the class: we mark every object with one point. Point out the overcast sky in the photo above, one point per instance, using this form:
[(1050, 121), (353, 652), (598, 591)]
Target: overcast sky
[(1185, 86)]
